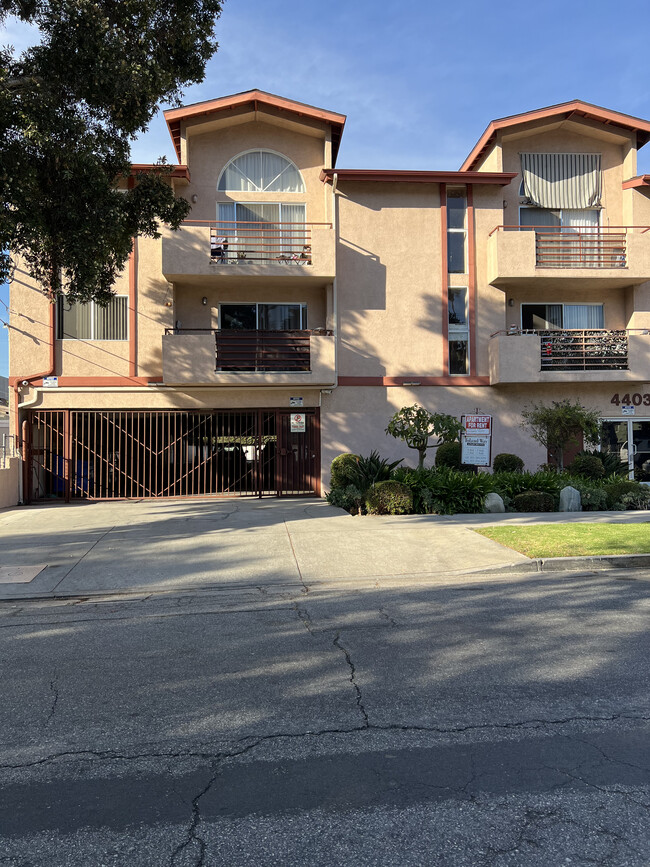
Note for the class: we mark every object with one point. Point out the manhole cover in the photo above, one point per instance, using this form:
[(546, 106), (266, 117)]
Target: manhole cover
[(19, 574)]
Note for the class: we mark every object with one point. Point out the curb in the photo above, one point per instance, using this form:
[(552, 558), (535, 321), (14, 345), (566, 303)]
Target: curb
[(599, 563)]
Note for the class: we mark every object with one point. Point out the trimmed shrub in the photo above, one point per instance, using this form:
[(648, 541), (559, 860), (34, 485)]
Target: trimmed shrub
[(592, 496), (389, 498), (617, 490), (639, 499), (508, 485), (612, 464), (506, 463), (342, 465), (534, 501), (448, 455), (588, 466), (348, 498)]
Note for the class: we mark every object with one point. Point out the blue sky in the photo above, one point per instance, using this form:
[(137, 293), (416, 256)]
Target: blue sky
[(419, 82)]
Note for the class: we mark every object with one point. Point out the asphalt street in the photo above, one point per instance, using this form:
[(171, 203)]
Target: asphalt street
[(474, 720)]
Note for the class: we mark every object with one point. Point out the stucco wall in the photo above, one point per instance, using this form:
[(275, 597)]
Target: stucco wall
[(9, 483), (389, 279)]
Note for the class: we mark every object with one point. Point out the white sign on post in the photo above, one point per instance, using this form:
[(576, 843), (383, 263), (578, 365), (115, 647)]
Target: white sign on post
[(476, 440), (475, 450), (297, 422)]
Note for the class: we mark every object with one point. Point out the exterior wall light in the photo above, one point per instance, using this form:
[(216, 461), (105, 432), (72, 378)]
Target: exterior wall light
[(204, 300)]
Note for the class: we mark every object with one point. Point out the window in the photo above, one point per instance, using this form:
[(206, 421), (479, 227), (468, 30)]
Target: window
[(92, 322), (243, 224), (552, 317), (567, 218), (261, 171), (263, 317), (458, 330), (456, 231)]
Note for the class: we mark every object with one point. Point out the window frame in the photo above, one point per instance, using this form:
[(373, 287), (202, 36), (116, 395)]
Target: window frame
[(562, 305), (300, 192), (458, 332), (457, 230), (257, 304), (60, 335)]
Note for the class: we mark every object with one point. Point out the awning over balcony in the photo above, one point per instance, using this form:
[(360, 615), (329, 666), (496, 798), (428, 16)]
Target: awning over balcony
[(570, 181)]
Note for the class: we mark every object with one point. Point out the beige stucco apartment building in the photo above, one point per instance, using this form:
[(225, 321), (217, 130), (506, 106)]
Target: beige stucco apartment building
[(302, 304)]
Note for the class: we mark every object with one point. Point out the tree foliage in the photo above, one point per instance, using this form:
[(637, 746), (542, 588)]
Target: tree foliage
[(69, 108), (416, 425), (557, 425)]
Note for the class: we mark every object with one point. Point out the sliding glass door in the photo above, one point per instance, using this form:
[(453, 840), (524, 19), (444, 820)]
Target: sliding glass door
[(629, 439)]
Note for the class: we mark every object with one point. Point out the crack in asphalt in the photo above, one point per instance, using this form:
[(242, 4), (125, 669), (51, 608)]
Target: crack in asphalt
[(353, 680), (55, 690), (390, 619), (304, 617), (305, 588), (257, 740)]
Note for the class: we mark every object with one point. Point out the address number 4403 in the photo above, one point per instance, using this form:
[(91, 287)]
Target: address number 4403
[(635, 399)]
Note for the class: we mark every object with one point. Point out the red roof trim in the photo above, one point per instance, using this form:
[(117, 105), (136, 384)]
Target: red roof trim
[(417, 177), (174, 116), (575, 107), (639, 181)]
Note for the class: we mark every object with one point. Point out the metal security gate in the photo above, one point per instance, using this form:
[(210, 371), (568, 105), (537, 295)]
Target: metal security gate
[(133, 455)]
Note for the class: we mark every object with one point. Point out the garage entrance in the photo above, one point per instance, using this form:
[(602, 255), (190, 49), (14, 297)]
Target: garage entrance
[(133, 455)]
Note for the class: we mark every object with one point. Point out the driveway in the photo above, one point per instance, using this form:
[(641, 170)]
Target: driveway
[(151, 546)]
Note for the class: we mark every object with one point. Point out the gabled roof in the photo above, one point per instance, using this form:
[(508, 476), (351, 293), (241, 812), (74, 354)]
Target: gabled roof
[(562, 111), (255, 99)]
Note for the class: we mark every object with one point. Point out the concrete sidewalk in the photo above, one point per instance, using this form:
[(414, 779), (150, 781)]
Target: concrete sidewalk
[(140, 547)]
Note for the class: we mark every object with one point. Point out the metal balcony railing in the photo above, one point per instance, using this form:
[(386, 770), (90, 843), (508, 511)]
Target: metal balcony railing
[(591, 349), (263, 351), (243, 242), (257, 351), (578, 246)]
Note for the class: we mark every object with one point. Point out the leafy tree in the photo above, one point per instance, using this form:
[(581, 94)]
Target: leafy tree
[(69, 108), (557, 425), (416, 425)]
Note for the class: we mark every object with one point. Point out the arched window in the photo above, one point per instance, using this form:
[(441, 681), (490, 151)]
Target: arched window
[(261, 172)]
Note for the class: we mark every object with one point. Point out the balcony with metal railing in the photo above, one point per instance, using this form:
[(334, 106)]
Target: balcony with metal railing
[(581, 355), (241, 249), (527, 256), (248, 357)]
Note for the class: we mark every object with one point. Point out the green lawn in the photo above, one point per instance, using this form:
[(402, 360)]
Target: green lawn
[(573, 540)]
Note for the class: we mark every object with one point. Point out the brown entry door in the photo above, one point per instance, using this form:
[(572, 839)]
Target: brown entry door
[(298, 452)]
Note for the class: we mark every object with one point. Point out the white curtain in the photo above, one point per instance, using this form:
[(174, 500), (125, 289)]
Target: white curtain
[(261, 172), (584, 316), (562, 180)]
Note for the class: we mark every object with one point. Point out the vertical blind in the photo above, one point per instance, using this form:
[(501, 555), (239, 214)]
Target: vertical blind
[(92, 322)]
